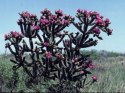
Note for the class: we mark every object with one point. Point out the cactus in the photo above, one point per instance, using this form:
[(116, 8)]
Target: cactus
[(48, 59)]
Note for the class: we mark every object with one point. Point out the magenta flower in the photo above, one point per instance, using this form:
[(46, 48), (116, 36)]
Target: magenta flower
[(75, 59), (99, 21), (80, 11), (65, 22), (44, 21), (59, 56), (109, 31), (96, 30), (32, 15), (26, 14), (15, 34), (94, 78), (91, 66), (46, 12), (59, 12), (107, 20), (46, 44), (94, 13), (53, 17), (36, 27), (81, 72), (48, 55)]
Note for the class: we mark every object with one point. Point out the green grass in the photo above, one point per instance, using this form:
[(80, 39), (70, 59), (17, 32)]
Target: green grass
[(110, 72), (111, 76)]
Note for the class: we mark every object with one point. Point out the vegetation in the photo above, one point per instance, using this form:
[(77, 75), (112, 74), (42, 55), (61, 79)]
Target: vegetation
[(110, 73), (66, 65)]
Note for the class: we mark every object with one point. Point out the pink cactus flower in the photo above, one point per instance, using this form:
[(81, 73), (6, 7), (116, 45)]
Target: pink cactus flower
[(109, 31), (48, 55), (75, 59), (94, 78), (91, 66), (32, 15), (36, 27), (86, 12), (80, 11), (44, 21), (46, 44), (59, 55), (59, 12), (96, 30), (81, 72), (65, 22), (15, 34), (107, 20), (25, 14), (53, 17), (98, 20), (46, 11)]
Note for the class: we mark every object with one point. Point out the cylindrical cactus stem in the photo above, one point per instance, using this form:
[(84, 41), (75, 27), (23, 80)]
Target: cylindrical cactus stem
[(76, 25), (40, 39), (14, 53), (60, 39)]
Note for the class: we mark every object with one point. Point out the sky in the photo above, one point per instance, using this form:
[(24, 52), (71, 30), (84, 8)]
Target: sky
[(112, 9)]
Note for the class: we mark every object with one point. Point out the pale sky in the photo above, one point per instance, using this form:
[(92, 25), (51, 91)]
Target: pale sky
[(112, 9)]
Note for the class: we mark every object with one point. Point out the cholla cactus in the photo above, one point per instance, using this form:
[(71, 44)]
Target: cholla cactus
[(65, 63)]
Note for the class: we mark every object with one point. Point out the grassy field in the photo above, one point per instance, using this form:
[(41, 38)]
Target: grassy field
[(111, 75), (110, 72)]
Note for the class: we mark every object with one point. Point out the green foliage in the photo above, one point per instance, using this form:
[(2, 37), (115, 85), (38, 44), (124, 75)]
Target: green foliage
[(110, 72), (96, 55)]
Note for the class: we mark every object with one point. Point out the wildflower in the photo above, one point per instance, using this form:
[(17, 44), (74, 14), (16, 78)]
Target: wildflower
[(81, 72), (91, 66), (46, 44), (46, 12), (80, 11), (36, 27), (59, 12), (107, 20), (32, 15), (75, 59), (25, 14), (44, 21), (96, 30), (109, 31), (99, 21), (48, 55), (15, 34), (94, 78), (65, 22)]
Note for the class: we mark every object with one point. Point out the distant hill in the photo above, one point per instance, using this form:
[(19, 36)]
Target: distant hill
[(94, 54)]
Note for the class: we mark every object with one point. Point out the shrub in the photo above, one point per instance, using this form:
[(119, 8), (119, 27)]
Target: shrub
[(49, 60)]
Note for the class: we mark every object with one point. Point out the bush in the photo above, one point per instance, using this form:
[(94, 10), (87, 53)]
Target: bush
[(49, 60)]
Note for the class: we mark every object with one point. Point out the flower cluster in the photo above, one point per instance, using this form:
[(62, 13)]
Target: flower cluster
[(28, 23), (27, 15), (94, 18), (96, 30), (13, 34), (58, 18)]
